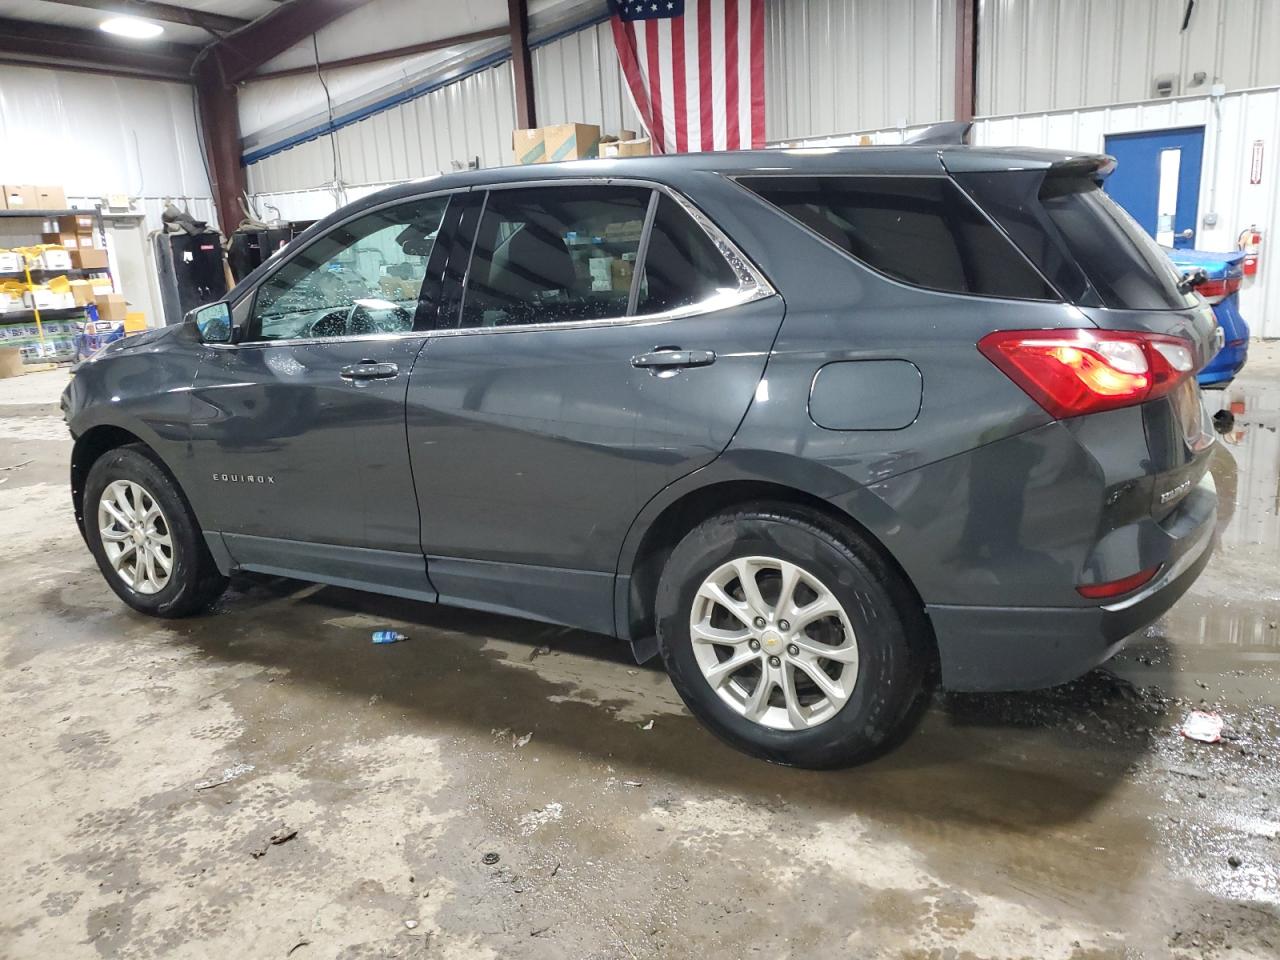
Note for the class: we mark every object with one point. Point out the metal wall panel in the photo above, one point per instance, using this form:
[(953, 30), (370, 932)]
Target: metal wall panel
[(1225, 186), (579, 78), (456, 124), (1036, 55), (838, 65)]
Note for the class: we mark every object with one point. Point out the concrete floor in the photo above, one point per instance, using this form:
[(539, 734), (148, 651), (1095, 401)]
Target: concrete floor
[(1074, 822)]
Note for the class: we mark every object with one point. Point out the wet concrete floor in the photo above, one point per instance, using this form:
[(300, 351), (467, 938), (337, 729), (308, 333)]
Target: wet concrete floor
[(366, 787)]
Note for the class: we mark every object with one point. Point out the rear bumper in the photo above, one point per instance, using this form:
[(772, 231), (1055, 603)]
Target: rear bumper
[(1224, 367), (1028, 648)]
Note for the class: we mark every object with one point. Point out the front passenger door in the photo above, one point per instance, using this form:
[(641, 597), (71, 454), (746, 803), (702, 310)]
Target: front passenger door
[(298, 430)]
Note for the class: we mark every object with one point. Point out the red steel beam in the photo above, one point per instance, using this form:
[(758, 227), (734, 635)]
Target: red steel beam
[(220, 134), (244, 51), (153, 10), (42, 45), (521, 63), (409, 51), (966, 58)]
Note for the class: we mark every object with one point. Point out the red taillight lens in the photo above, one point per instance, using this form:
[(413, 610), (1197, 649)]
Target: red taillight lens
[(1114, 588), (1074, 372), (1215, 291)]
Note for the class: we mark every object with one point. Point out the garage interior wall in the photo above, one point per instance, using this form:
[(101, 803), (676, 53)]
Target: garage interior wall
[(97, 135), (1036, 55), (827, 69)]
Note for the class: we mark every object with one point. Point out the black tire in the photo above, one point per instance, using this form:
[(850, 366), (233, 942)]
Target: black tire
[(893, 639), (194, 582)]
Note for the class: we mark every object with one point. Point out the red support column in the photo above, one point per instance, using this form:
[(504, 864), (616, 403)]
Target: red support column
[(220, 126), (966, 58), (521, 63)]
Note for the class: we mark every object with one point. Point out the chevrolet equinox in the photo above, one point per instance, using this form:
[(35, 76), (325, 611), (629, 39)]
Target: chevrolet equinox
[(813, 426)]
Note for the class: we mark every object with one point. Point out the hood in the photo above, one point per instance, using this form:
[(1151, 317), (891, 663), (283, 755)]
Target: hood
[(155, 339), (1218, 266)]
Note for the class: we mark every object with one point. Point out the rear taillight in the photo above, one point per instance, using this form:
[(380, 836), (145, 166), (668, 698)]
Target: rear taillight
[(1115, 588), (1074, 372), (1215, 291)]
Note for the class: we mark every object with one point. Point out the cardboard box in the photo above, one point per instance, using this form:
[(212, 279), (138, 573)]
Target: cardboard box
[(51, 198), (112, 306), (70, 240), (42, 298), (82, 293), (89, 258), (627, 148), (135, 321), (10, 261), (53, 258), (10, 362), (20, 197), (528, 146), (78, 223), (622, 271), (571, 141)]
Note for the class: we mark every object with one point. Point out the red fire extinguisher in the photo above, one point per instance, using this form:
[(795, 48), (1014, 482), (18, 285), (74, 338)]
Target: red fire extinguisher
[(1251, 243)]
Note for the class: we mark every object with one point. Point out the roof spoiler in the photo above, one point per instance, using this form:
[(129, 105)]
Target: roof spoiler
[(951, 133), (1091, 166)]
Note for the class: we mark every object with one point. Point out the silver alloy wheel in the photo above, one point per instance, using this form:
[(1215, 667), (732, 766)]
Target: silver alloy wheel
[(774, 643), (135, 536)]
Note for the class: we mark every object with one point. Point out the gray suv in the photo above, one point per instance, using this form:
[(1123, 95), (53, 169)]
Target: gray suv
[(814, 426)]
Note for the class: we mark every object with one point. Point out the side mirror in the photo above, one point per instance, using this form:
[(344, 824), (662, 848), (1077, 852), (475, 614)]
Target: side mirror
[(213, 322)]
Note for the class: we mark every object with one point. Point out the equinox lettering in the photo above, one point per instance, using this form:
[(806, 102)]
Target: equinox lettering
[(243, 478)]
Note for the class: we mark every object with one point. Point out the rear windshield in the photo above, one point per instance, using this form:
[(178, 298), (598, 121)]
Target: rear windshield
[(920, 230), (1081, 239)]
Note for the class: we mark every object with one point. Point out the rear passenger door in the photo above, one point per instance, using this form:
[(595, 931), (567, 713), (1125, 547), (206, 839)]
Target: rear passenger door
[(601, 347)]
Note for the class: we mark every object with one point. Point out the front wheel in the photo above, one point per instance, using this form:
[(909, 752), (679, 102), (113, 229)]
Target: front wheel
[(789, 638), (145, 538)]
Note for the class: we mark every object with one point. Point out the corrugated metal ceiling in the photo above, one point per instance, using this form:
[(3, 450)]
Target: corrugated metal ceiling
[(87, 18)]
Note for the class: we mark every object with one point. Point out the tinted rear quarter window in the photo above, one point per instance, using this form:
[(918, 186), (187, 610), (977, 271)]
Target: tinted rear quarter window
[(1081, 239), (682, 266), (920, 230)]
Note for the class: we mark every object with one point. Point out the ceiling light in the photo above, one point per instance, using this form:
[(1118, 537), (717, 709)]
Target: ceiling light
[(131, 27)]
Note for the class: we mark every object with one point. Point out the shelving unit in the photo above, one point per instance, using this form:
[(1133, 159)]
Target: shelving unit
[(67, 320)]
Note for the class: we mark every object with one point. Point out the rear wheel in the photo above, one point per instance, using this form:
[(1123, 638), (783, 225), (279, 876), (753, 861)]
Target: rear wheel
[(145, 538), (789, 638)]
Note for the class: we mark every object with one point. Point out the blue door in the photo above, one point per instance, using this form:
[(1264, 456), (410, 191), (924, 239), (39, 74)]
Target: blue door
[(1157, 179)]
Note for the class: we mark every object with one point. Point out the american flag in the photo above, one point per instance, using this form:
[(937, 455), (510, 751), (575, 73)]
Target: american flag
[(695, 70)]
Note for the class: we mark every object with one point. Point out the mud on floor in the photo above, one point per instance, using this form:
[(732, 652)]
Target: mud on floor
[(265, 782)]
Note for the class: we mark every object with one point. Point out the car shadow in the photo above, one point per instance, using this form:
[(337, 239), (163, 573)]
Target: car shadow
[(1008, 763)]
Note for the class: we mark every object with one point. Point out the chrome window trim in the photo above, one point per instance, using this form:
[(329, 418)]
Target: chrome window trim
[(752, 283), (252, 295)]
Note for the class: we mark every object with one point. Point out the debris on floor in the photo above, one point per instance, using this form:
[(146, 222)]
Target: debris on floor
[(388, 636), (490, 858), (283, 835), (229, 774), (647, 726), (1202, 726)]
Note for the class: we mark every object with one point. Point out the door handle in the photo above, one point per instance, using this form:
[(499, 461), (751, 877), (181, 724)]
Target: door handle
[(369, 370), (666, 358), (1187, 234)]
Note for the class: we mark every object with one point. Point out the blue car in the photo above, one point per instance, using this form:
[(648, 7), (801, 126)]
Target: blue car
[(1222, 291)]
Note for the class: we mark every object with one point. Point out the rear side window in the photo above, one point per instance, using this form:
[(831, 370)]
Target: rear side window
[(920, 230), (1079, 238), (682, 266), (554, 255)]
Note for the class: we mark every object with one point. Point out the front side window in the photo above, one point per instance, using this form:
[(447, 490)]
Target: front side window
[(920, 230), (554, 255), (363, 277)]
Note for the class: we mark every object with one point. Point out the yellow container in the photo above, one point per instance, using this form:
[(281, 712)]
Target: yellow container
[(135, 321)]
